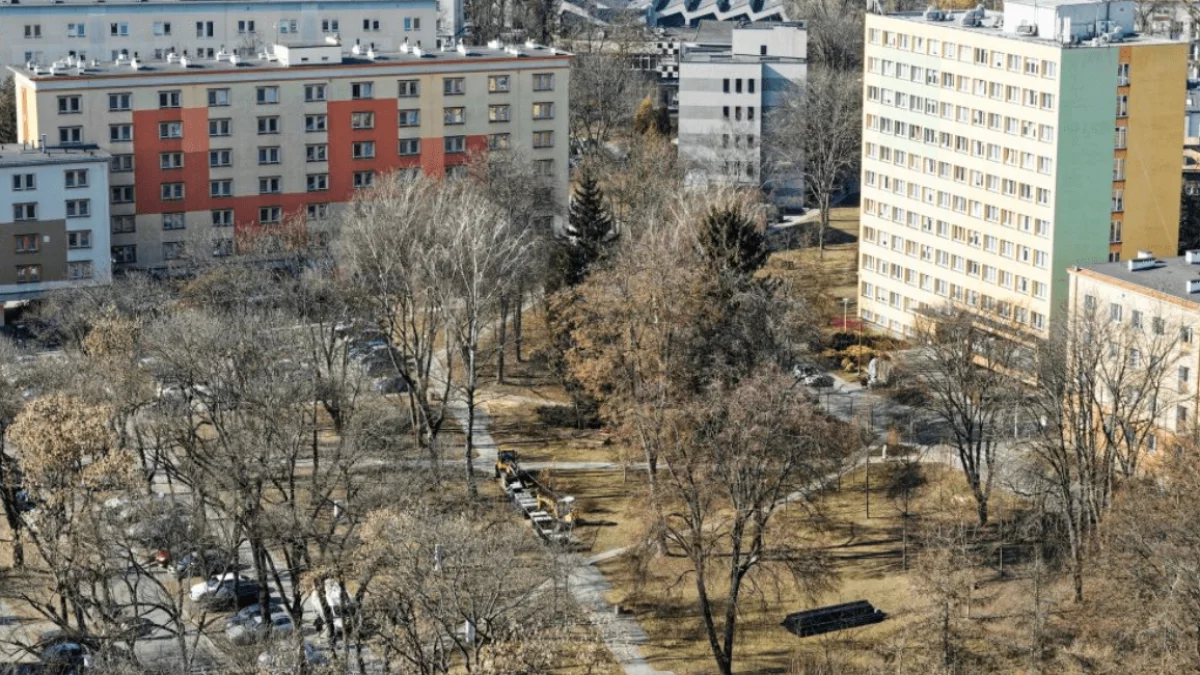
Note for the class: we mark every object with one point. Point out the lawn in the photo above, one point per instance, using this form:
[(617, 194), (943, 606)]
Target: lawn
[(825, 279)]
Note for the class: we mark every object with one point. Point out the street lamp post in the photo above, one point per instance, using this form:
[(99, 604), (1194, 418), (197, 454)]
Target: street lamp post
[(845, 313)]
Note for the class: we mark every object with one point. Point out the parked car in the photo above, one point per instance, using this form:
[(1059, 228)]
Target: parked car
[(229, 589), (64, 653), (203, 563), (248, 612), (818, 380), (255, 630)]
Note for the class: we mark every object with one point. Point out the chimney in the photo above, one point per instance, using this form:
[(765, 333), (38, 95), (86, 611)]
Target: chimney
[(43, 142)]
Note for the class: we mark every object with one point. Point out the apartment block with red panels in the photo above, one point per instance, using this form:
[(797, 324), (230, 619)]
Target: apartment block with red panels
[(202, 150)]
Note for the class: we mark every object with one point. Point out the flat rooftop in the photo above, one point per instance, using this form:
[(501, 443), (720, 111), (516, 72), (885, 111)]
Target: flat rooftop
[(993, 22), (1169, 276), (259, 63), (725, 57), (20, 154)]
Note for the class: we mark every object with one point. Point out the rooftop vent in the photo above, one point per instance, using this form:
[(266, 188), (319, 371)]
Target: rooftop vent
[(1142, 262), (1192, 257), (1143, 253), (1193, 286)]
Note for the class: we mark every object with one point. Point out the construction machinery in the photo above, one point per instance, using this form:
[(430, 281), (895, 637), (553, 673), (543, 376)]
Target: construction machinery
[(551, 514)]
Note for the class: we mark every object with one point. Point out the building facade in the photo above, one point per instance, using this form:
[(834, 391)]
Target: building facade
[(203, 149), (45, 31), (1147, 312), (1001, 149), (725, 98), (54, 219)]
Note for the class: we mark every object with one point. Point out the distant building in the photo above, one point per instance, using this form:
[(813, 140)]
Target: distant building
[(679, 13), (1147, 308), (54, 215), (1000, 149), (44, 31), (204, 148), (726, 92)]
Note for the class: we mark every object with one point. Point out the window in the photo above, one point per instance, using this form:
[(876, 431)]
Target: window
[(543, 81), (33, 31), (413, 23), (70, 135), (410, 146), (220, 158), (170, 129), (318, 182), (1114, 312), (268, 155), (362, 150), (75, 178), (1114, 232), (172, 250), (120, 133), (118, 102), (544, 167), (1184, 376), (25, 211), (453, 86), (122, 194), (543, 139), (455, 144), (1181, 416), (498, 113), (499, 142), (1158, 325), (1122, 105), (1135, 319), (410, 88), (267, 95), (451, 116), (220, 188), (543, 111), (122, 224), (362, 120), (171, 99), (317, 152), (220, 127), (269, 125), (124, 254), (70, 105), (410, 118), (79, 269), (318, 211), (244, 27), (1118, 200), (173, 221), (329, 26), (287, 26), (24, 181), (362, 90), (1122, 74), (118, 29), (498, 84), (170, 160), (269, 185), (1121, 138), (171, 192), (204, 29), (314, 93), (218, 98), (29, 274), (76, 30), (26, 243), (270, 214), (364, 179), (315, 123), (222, 218)]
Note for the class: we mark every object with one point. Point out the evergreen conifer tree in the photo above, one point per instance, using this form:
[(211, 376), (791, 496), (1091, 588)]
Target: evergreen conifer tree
[(732, 243), (591, 231)]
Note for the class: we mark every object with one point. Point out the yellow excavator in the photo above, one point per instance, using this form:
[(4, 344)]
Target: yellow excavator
[(531, 495)]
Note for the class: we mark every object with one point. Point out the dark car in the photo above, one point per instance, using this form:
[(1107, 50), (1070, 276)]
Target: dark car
[(63, 653), (204, 563)]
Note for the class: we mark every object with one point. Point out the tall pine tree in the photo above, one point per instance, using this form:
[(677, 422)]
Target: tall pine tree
[(731, 241), (591, 231)]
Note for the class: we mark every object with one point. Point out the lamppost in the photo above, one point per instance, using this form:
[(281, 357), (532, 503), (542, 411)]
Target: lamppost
[(845, 314)]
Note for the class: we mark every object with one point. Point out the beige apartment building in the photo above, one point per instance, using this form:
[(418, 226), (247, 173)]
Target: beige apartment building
[(1002, 148), (45, 31), (205, 149)]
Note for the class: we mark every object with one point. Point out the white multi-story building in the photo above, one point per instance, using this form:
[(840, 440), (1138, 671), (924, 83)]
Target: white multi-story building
[(54, 218), (1001, 149), (724, 96), (44, 31)]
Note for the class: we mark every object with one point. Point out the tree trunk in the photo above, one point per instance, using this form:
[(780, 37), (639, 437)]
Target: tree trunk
[(1077, 572), (517, 334), (501, 339), (469, 450), (982, 509)]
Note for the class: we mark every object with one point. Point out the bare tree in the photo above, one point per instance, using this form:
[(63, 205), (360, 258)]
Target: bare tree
[(1099, 391), (819, 136), (836, 30), (604, 96), (733, 458), (970, 382), (481, 256)]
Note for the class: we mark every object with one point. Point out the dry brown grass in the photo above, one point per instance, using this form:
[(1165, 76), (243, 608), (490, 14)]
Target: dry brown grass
[(829, 279)]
